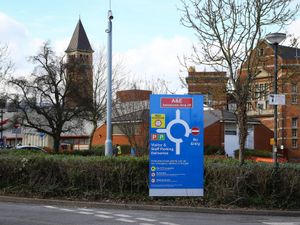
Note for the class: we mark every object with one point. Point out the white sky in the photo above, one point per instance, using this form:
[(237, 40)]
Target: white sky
[(147, 35)]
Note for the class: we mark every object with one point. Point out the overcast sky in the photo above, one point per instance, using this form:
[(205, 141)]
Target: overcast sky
[(146, 33)]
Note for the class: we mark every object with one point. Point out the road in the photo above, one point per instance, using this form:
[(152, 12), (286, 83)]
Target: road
[(39, 214)]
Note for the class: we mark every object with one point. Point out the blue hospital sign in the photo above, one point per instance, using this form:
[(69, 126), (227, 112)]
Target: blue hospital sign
[(176, 145)]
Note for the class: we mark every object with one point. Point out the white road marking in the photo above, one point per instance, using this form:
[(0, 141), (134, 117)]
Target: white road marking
[(85, 213), (146, 224), (122, 215), (66, 210), (85, 209), (280, 223), (126, 220), (103, 212), (146, 219), (50, 207), (168, 223), (104, 216)]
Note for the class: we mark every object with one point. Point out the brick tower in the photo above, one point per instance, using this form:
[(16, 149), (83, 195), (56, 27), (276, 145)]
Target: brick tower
[(79, 69), (212, 85)]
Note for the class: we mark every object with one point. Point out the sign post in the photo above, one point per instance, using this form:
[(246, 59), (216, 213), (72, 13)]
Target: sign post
[(176, 145)]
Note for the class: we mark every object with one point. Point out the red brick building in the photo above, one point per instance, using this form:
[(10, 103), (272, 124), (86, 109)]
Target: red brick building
[(259, 107), (130, 120), (212, 85), (288, 84), (220, 129)]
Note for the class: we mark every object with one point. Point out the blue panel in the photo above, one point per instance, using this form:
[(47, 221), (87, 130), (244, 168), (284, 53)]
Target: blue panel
[(176, 145)]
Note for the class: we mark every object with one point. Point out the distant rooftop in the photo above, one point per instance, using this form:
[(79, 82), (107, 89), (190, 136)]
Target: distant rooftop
[(288, 52), (79, 40)]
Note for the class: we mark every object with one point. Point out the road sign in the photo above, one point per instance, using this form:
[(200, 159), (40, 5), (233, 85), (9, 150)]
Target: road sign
[(276, 99), (195, 131), (176, 145)]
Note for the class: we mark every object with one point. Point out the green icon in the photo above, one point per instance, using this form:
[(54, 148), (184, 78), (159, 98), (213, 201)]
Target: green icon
[(153, 168), (161, 137)]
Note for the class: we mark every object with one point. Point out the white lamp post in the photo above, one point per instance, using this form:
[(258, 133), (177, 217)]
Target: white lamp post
[(108, 141), (275, 39)]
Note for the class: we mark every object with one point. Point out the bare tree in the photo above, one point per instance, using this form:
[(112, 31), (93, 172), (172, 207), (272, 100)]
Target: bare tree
[(41, 97), (131, 117), (6, 65), (228, 32), (96, 113), (131, 112), (6, 68)]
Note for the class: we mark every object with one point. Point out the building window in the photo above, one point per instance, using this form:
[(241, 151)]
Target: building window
[(261, 52), (262, 91), (294, 133), (294, 143), (208, 99), (230, 129), (294, 99), (294, 122), (256, 91), (294, 88)]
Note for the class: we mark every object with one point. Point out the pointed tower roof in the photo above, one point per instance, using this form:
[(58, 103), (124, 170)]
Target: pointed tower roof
[(79, 40)]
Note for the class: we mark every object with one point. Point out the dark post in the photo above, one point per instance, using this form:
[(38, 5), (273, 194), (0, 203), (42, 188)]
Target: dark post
[(1, 137), (275, 106), (274, 39)]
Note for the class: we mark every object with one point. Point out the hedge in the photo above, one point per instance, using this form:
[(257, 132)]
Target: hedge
[(254, 152), (126, 179)]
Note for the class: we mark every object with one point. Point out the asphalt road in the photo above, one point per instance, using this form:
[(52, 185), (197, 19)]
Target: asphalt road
[(42, 214)]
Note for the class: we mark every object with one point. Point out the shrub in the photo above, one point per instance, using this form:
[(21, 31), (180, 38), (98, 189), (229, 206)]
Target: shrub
[(126, 179), (125, 149), (254, 152), (98, 150), (213, 150)]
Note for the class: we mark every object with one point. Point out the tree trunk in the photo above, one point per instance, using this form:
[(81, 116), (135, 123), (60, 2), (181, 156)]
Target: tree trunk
[(92, 135), (243, 130), (56, 144)]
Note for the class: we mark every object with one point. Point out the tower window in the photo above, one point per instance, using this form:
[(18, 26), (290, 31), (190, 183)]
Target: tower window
[(261, 52)]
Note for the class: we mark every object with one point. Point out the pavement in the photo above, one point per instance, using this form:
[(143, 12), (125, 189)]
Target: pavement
[(91, 204)]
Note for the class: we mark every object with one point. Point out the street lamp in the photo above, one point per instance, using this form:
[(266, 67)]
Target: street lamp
[(275, 39), (108, 141)]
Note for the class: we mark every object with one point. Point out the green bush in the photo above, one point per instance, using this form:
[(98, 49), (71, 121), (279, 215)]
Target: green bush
[(254, 152), (98, 150), (126, 179), (125, 149), (213, 150), (74, 176)]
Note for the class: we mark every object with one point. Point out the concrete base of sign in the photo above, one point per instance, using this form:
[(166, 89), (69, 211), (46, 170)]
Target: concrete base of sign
[(176, 192)]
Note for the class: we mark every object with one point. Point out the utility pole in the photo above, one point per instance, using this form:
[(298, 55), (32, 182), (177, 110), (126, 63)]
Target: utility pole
[(108, 141), (1, 137)]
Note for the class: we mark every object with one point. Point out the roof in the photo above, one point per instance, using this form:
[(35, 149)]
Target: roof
[(79, 40), (287, 52), (137, 116), (212, 116)]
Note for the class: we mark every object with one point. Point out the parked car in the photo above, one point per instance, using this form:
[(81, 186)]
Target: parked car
[(31, 148)]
